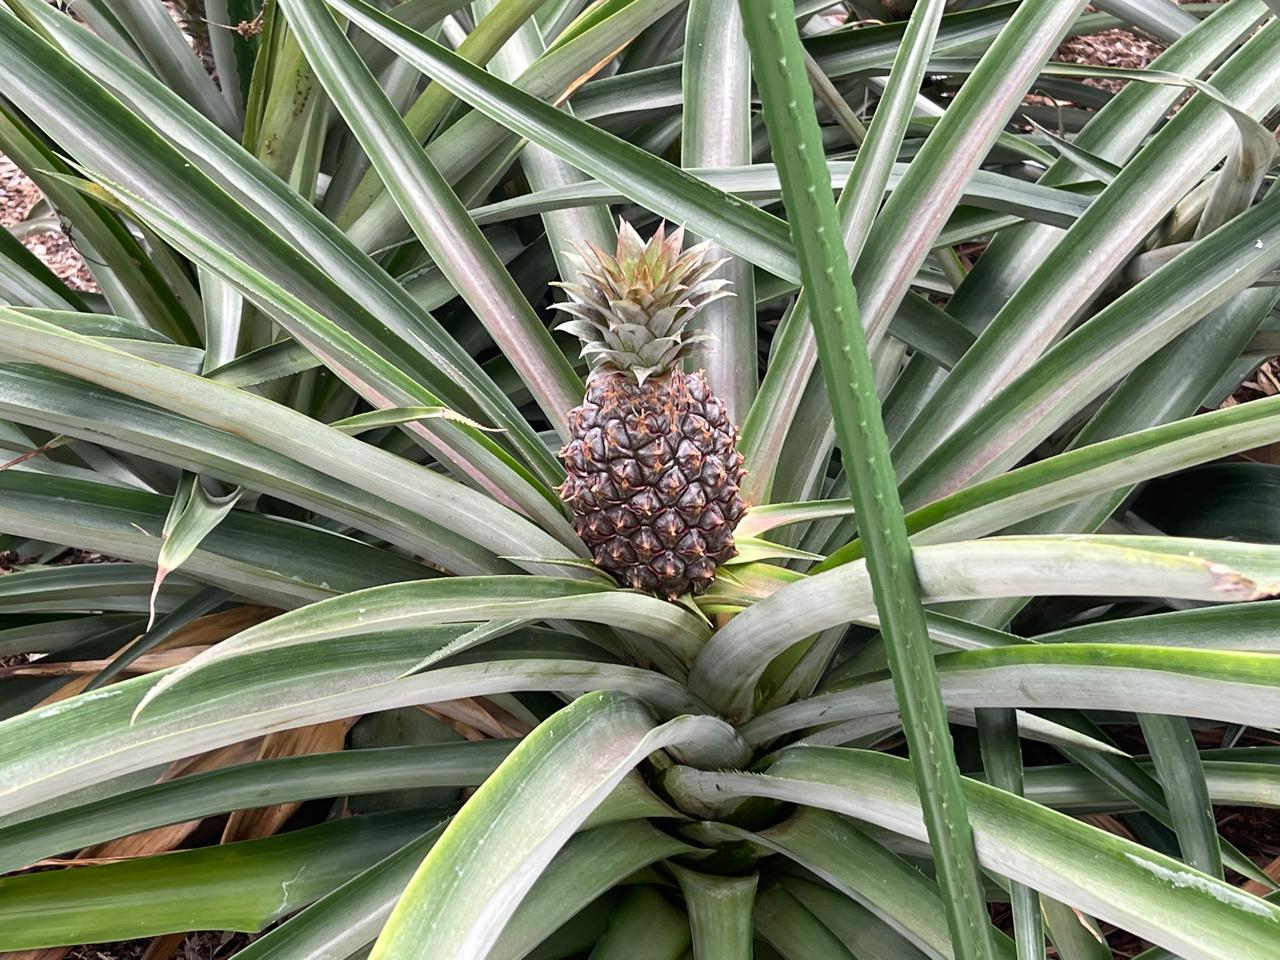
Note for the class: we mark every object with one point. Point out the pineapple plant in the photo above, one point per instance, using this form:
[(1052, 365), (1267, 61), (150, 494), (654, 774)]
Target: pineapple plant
[(385, 709), (654, 473)]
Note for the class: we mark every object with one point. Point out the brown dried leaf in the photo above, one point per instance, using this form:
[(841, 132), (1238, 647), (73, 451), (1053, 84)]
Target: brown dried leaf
[(303, 741)]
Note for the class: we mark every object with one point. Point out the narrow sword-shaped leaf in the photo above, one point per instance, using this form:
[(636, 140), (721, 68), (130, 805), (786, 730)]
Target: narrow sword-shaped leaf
[(768, 423), (1177, 762), (1045, 303), (474, 878), (550, 78), (884, 883), (52, 401), (265, 559), (1001, 501), (88, 739), (348, 284), (264, 782), (171, 56), (349, 917), (665, 189), (458, 600), (1199, 917), (1160, 18), (785, 924), (239, 886), (738, 652), (778, 63), (1100, 351), (592, 863), (302, 438), (192, 516), (906, 228), (542, 168), (371, 373), (438, 217), (1222, 685), (125, 272), (859, 930), (717, 133), (1002, 761), (492, 31)]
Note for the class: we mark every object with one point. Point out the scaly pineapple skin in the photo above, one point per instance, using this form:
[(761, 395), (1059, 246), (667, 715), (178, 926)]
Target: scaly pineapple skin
[(654, 474)]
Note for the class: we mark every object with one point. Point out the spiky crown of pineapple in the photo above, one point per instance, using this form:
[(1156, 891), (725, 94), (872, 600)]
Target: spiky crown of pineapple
[(632, 309)]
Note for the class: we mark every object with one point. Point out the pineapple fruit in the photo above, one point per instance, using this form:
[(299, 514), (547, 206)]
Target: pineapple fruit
[(653, 466)]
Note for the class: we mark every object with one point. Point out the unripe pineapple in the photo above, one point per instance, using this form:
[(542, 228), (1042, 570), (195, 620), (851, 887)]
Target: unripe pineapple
[(653, 465)]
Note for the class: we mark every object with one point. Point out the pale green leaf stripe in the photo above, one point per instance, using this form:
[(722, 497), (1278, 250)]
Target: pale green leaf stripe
[(666, 189), (50, 636), (493, 30), (470, 514), (238, 886), (1028, 491), (347, 284), (759, 182), (93, 587), (265, 559), (354, 914), (778, 63), (394, 416), (908, 224), (376, 377), (889, 887), (1099, 352), (99, 325), (1195, 139), (472, 881), (1160, 899), (737, 654), (439, 220), (768, 516), (716, 132), (1230, 686), (1231, 627), (457, 600), (88, 739), (32, 395), (1247, 781), (248, 785), (280, 359)]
